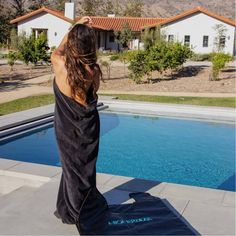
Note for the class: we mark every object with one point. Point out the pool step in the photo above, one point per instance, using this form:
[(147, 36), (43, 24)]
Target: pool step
[(17, 129)]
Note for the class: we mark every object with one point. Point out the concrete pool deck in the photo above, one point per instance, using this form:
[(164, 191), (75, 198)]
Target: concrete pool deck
[(218, 114), (28, 191), (28, 196)]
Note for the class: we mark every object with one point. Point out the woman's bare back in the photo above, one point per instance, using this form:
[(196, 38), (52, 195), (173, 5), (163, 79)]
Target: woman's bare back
[(62, 82)]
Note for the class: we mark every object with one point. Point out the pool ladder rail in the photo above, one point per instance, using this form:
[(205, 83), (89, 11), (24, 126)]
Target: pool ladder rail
[(16, 129)]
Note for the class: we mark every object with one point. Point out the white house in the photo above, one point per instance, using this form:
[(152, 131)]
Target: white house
[(194, 28), (197, 28), (55, 24)]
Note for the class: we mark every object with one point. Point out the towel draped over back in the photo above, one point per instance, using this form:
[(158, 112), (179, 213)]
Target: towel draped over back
[(77, 131)]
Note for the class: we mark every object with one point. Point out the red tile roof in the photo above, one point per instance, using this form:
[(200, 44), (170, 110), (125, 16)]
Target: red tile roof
[(103, 23), (117, 23), (194, 11), (135, 23), (40, 10)]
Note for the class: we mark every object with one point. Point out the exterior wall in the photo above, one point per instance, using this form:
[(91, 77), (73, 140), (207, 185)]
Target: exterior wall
[(197, 26), (134, 44), (111, 45), (56, 27)]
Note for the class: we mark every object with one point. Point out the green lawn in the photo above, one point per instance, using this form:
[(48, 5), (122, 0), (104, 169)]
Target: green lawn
[(26, 103), (201, 101), (41, 100)]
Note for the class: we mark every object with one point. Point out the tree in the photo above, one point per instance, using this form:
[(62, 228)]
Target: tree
[(13, 39), (4, 29), (139, 66), (160, 57), (26, 48), (19, 6), (4, 24), (12, 57), (219, 40), (36, 4), (134, 8), (60, 5), (124, 36), (90, 7), (151, 36), (33, 50), (107, 8), (41, 48)]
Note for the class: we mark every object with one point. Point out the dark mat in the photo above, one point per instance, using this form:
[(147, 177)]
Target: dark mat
[(148, 215)]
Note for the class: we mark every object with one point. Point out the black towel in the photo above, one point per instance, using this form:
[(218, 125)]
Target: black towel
[(77, 133)]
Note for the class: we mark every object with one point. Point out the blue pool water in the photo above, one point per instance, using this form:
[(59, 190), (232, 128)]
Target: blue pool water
[(163, 149)]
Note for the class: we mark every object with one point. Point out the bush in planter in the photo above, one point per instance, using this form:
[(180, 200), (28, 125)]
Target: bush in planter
[(160, 57), (201, 57), (139, 66), (219, 61), (33, 50), (12, 57)]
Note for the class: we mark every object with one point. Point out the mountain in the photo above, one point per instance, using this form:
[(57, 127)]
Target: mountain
[(168, 8)]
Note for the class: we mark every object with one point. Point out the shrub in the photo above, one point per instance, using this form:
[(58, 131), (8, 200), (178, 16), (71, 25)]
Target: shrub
[(176, 55), (201, 57), (152, 36), (12, 57), (53, 48), (107, 66), (139, 66), (41, 48), (160, 57), (33, 50), (114, 57), (219, 61), (26, 49)]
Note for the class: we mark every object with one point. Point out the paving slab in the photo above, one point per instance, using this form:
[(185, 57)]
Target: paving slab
[(229, 199), (9, 184), (211, 220), (204, 195), (133, 184), (6, 163), (36, 169), (102, 178), (34, 216)]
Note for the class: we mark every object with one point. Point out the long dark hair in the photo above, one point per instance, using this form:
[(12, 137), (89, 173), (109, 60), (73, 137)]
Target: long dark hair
[(80, 50)]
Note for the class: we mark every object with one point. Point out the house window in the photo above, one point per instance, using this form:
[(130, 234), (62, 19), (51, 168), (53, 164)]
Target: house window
[(187, 40), (222, 41), (170, 38), (205, 41), (37, 32), (111, 38)]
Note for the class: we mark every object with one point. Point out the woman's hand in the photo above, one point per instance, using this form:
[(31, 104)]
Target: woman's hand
[(85, 20)]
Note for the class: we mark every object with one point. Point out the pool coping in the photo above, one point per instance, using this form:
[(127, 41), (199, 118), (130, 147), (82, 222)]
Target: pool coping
[(197, 205), (215, 114)]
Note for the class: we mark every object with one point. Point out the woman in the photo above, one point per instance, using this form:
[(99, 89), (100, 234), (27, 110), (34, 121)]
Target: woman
[(76, 122)]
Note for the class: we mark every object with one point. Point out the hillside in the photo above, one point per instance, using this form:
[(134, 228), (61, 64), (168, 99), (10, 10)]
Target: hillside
[(168, 8)]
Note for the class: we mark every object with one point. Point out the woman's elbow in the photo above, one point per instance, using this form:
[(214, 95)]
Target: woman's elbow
[(54, 57)]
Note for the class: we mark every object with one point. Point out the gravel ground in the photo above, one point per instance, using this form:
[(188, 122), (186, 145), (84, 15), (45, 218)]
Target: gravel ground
[(194, 78)]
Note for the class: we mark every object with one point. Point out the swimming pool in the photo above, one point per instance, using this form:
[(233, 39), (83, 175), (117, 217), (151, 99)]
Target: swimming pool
[(154, 148)]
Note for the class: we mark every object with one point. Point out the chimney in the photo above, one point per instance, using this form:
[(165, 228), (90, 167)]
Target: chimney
[(70, 10), (111, 15)]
